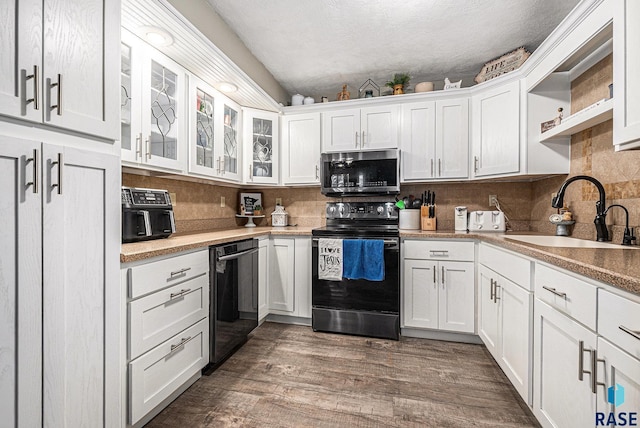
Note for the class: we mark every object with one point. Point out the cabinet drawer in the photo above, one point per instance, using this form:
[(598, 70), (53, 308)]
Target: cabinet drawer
[(507, 264), (619, 321), (158, 316), (438, 250), (149, 277), (159, 372), (567, 294)]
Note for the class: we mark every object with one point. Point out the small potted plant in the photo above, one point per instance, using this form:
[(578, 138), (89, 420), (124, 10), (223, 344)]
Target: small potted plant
[(257, 209), (399, 83)]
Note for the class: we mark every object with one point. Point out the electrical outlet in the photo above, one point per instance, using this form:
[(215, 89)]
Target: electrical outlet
[(553, 195), (222, 202), (278, 201), (174, 199), (493, 199)]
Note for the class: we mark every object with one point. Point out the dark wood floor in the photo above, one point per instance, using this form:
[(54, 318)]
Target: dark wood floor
[(289, 376)]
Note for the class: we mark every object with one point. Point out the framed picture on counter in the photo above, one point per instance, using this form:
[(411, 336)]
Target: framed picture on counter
[(248, 202)]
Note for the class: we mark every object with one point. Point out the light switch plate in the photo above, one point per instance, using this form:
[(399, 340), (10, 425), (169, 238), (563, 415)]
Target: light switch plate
[(222, 202), (174, 199), (278, 201)]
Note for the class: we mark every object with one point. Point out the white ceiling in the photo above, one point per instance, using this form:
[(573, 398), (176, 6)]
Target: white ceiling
[(312, 47)]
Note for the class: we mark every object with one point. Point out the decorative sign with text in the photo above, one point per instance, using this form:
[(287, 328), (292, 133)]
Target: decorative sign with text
[(503, 65)]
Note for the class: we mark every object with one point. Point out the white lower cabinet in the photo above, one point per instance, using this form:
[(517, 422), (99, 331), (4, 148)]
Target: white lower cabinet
[(263, 277), (504, 313), (564, 350), (438, 294), (167, 329), (505, 326), (158, 373), (290, 276)]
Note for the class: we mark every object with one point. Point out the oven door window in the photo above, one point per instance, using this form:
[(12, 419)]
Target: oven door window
[(359, 294)]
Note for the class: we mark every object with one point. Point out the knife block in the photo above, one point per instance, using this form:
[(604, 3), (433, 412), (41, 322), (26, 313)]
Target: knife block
[(426, 223)]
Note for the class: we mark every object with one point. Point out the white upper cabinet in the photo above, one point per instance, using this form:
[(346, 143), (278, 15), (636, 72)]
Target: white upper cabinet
[(261, 145), (58, 72), (301, 148), (435, 140), (205, 150), (153, 116), (371, 128), (230, 135), (626, 68), (495, 130)]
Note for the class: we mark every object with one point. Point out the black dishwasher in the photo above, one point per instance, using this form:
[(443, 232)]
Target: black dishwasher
[(233, 306)]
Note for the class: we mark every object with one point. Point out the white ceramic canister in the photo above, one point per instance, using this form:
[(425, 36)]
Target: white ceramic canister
[(308, 100), (297, 100), (279, 217), (409, 219)]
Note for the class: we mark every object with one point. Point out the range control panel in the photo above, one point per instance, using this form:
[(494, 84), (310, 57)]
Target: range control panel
[(361, 210)]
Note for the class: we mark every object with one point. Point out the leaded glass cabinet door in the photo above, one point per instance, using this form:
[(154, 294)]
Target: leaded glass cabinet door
[(130, 99), (261, 142), (230, 158), (203, 114), (163, 115)]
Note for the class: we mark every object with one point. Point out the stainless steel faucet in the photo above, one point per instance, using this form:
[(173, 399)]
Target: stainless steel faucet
[(601, 214)]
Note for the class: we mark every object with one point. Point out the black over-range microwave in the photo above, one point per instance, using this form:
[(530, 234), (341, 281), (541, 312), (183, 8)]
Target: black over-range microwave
[(360, 173)]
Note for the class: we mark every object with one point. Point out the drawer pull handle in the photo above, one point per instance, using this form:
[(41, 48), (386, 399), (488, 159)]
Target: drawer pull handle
[(179, 272), (495, 293), (493, 290), (180, 345), (633, 333), (554, 291), (439, 252), (179, 293)]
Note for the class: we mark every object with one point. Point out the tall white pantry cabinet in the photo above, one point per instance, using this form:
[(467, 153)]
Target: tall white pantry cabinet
[(60, 207)]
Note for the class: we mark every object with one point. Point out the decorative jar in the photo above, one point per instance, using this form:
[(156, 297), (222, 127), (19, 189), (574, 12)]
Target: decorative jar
[(279, 217)]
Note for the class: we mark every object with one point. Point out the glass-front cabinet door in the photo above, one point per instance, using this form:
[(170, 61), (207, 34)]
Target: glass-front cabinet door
[(204, 119), (261, 146), (130, 101), (152, 120), (230, 158), (162, 117)]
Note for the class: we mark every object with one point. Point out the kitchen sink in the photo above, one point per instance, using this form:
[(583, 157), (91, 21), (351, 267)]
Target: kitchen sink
[(566, 242)]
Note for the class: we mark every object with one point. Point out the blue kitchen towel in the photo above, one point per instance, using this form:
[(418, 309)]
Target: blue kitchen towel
[(352, 263), (373, 259)]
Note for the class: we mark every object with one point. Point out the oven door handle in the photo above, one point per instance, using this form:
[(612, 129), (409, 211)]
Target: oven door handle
[(386, 241), (237, 255)]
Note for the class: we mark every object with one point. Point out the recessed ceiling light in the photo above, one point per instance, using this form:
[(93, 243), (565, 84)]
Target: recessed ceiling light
[(157, 36), (227, 87)]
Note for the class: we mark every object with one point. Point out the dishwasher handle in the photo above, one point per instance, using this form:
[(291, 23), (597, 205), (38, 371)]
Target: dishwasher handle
[(236, 255)]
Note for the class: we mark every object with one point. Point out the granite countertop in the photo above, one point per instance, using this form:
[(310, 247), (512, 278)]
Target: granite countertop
[(178, 242), (619, 267)]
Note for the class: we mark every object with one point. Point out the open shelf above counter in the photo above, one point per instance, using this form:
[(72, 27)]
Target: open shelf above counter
[(583, 120)]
